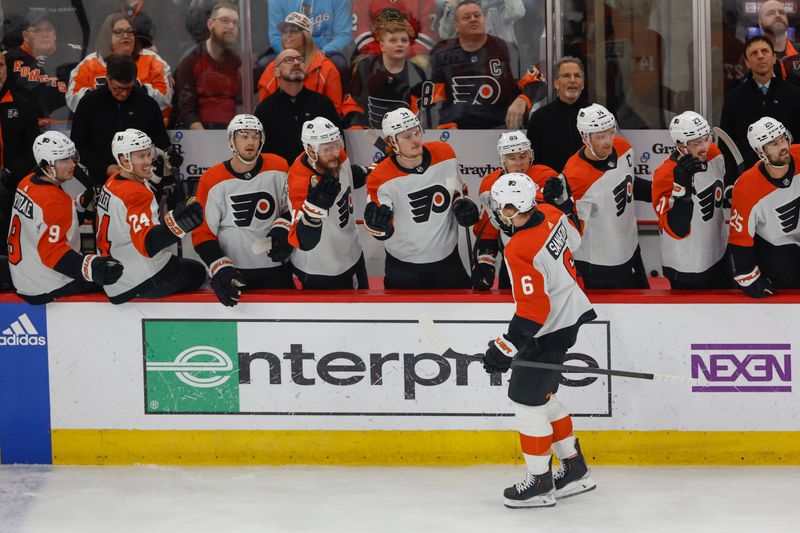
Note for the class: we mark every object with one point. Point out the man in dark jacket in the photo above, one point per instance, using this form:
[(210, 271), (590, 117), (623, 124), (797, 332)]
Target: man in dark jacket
[(284, 112), (553, 129), (19, 128), (762, 94), (115, 106)]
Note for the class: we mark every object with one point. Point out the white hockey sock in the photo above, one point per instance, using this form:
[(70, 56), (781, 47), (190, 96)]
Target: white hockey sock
[(561, 422), (535, 435)]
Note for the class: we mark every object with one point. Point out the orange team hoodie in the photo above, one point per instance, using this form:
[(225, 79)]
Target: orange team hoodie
[(321, 77)]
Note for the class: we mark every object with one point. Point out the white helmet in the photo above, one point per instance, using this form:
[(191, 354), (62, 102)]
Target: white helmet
[(516, 189), (241, 122), (319, 131), (764, 130), (688, 126), (130, 140), (595, 118), (513, 142), (52, 146), (398, 121)]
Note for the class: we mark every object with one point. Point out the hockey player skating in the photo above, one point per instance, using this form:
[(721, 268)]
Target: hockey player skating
[(244, 200), (550, 308), (764, 234), (601, 178), (129, 229), (688, 197), (321, 184), (416, 204), (516, 155), (43, 239)]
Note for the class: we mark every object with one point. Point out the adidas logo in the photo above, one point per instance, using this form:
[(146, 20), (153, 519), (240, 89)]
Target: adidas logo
[(22, 332)]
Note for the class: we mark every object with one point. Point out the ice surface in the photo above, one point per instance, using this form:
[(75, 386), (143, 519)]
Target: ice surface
[(151, 499)]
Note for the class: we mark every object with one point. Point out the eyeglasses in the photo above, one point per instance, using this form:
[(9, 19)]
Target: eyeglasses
[(45, 29), (291, 29), (293, 60), (116, 87), (120, 33), (225, 21)]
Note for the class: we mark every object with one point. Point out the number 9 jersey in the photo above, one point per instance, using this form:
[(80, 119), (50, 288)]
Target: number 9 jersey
[(44, 228)]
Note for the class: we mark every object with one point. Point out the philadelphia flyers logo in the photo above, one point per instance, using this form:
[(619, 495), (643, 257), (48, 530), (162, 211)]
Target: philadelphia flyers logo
[(255, 204), (710, 199), (434, 198), (789, 214), (345, 206), (475, 90), (623, 194)]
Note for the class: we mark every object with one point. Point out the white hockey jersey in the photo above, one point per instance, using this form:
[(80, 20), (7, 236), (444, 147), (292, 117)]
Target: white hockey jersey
[(338, 249), (705, 244), (604, 203), (44, 227), (239, 211), (425, 228), (127, 211)]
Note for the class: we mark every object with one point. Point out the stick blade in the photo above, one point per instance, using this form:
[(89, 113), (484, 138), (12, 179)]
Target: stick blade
[(432, 333)]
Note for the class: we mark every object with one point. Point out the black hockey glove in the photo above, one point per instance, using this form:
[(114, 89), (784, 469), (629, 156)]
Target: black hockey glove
[(554, 193), (184, 218), (321, 197), (379, 220), (499, 355), (685, 169), (101, 270), (483, 273), (727, 197), (228, 284), (88, 199), (466, 211), (281, 249), (755, 284)]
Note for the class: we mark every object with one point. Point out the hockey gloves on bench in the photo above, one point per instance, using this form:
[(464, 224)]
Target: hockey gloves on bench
[(755, 284), (101, 270), (184, 218), (499, 355), (281, 249), (321, 196), (466, 211), (379, 220), (483, 274), (228, 283)]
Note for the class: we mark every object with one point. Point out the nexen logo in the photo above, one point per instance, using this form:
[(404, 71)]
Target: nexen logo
[(22, 332)]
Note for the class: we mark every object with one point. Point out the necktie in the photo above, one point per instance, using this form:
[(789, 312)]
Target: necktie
[(764, 90)]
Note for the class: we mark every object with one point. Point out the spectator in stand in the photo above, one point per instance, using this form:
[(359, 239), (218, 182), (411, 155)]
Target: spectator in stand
[(552, 129), (284, 112), (208, 80), (332, 22), (116, 106), (321, 74), (761, 94), (475, 80), (774, 23), (500, 18), (29, 68), (18, 130), (384, 82), (419, 14), (117, 37)]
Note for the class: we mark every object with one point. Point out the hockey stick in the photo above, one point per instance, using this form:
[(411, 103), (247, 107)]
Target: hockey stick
[(438, 341), (452, 184), (732, 148)]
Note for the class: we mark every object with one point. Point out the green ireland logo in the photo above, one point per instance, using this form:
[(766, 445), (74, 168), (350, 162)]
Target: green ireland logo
[(191, 367)]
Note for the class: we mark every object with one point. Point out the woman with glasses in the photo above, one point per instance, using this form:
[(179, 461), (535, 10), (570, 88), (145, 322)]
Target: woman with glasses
[(321, 74), (117, 37)]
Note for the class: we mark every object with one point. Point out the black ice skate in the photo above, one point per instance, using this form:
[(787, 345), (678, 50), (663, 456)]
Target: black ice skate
[(536, 490), (572, 477)]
